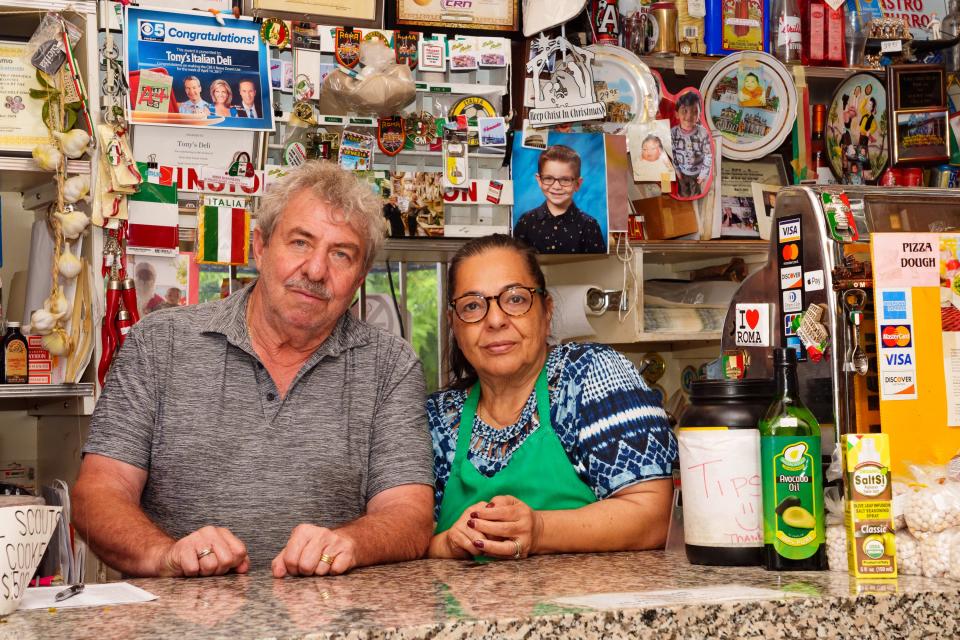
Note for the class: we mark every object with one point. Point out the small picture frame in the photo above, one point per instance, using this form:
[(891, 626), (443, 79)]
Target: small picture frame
[(921, 136), (488, 16), (918, 114)]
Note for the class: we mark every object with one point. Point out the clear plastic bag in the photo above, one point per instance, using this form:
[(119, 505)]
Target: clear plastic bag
[(908, 554), (935, 553), (381, 88), (934, 504)]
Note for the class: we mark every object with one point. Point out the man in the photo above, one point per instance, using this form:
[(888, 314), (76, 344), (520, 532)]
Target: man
[(248, 99), (224, 426), (194, 104), (558, 225)]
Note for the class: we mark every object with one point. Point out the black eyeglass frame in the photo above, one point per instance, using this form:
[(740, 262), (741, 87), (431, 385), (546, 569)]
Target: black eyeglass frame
[(553, 179), (486, 300)]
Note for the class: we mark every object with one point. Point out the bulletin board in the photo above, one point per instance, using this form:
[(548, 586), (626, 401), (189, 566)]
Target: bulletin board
[(917, 309)]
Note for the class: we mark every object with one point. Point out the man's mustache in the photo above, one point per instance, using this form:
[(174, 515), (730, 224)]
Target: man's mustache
[(317, 289)]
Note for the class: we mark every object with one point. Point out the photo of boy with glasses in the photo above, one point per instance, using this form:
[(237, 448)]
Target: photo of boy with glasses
[(558, 225)]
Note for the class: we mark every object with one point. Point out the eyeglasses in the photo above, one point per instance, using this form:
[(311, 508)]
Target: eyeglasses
[(548, 181), (514, 301)]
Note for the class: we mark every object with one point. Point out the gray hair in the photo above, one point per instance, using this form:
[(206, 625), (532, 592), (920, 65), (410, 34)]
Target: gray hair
[(349, 198)]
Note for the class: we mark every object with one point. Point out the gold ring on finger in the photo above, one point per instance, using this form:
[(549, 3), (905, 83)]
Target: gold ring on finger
[(518, 547), (325, 558), (203, 553)]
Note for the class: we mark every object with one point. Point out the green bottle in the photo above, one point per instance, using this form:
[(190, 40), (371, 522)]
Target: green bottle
[(792, 474)]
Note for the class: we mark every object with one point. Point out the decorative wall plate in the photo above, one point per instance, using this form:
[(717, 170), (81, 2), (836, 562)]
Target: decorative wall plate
[(750, 98), (857, 138), (624, 83)]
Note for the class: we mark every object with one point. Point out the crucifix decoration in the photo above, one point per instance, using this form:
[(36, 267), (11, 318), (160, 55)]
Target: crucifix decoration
[(568, 95)]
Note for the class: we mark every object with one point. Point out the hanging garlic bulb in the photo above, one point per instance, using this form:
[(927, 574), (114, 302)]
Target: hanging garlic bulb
[(57, 306), (72, 224), (69, 265), (42, 322), (47, 157), (76, 188), (74, 143), (56, 342)]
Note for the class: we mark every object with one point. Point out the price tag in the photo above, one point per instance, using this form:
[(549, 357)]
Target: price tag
[(835, 4), (697, 8), (891, 46), (679, 65)]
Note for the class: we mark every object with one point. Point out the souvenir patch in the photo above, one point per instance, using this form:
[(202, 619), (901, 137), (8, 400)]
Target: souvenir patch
[(391, 135), (421, 128), (405, 47), (348, 47), (356, 151), (275, 32), (376, 35)]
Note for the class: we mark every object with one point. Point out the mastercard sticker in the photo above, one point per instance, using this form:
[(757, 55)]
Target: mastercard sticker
[(895, 336)]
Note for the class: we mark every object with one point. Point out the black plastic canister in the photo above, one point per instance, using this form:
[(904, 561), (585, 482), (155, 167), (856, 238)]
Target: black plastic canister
[(720, 471)]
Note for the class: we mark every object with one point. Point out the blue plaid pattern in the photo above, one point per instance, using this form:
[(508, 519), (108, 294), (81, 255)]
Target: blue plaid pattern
[(606, 417)]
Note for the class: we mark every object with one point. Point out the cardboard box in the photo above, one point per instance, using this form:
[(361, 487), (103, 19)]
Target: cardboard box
[(665, 218), (40, 378)]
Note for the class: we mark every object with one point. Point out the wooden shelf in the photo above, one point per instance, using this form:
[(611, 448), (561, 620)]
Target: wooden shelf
[(17, 391), (702, 64)]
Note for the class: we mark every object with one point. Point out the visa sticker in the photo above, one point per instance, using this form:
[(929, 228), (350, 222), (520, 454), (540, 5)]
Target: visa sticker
[(788, 230)]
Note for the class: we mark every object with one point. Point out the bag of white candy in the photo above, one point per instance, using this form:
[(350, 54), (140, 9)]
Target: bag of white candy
[(934, 503)]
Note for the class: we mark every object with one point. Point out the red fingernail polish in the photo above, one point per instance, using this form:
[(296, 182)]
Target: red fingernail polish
[(470, 524), (478, 544), (490, 505), (474, 514)]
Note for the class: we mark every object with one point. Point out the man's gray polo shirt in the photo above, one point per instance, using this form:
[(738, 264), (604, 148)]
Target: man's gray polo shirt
[(188, 400)]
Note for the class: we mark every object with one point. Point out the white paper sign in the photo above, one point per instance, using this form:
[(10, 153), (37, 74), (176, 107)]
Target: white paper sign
[(668, 597), (24, 534), (720, 481), (752, 324)]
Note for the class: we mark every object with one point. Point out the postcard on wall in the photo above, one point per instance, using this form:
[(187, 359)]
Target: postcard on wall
[(21, 121), (220, 75)]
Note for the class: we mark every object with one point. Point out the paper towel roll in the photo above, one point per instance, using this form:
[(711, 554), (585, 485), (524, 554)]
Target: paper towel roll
[(570, 311)]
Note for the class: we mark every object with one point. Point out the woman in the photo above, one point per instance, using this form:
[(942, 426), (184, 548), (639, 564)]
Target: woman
[(222, 96), (868, 123), (560, 450)]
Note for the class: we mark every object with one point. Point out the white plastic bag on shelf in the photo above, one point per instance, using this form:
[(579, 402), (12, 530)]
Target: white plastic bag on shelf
[(934, 504), (382, 87), (900, 492), (908, 554)]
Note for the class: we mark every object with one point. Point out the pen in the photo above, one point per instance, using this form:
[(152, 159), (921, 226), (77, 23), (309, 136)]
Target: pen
[(68, 592)]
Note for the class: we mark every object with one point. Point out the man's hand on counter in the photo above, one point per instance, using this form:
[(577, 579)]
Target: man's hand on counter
[(315, 551), (210, 551)]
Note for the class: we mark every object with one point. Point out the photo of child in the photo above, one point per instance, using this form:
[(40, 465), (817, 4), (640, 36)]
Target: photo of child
[(751, 92), (561, 194), (692, 147), (650, 150)]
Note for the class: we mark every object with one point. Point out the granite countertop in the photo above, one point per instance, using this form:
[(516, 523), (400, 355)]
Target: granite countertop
[(455, 599)]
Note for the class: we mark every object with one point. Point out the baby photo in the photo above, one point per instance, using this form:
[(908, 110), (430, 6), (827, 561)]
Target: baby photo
[(651, 151), (751, 90)]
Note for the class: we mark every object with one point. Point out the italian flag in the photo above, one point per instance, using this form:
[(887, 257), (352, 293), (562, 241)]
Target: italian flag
[(223, 231), (153, 211)]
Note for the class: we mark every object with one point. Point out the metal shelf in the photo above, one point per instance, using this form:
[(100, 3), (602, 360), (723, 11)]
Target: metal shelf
[(16, 391), (21, 173), (442, 249)]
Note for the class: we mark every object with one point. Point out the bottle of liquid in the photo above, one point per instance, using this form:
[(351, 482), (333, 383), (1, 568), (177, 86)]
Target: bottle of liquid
[(786, 37), (819, 164), (792, 476), (14, 355), (823, 34)]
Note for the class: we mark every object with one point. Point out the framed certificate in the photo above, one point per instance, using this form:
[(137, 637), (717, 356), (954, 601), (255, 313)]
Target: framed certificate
[(354, 13), (918, 113), (472, 15), (21, 116)]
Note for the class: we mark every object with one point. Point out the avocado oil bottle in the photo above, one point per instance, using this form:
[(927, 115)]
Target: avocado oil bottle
[(792, 477)]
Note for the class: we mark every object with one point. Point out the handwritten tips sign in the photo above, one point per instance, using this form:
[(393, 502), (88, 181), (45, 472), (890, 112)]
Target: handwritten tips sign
[(24, 535), (720, 481)]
